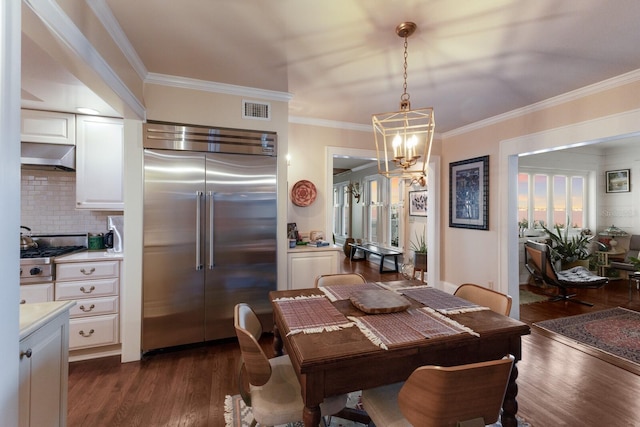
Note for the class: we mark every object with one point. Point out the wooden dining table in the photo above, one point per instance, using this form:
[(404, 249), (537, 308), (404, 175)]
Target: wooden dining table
[(343, 359)]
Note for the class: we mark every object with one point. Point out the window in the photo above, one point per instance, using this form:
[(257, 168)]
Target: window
[(340, 210), (384, 202), (552, 198)]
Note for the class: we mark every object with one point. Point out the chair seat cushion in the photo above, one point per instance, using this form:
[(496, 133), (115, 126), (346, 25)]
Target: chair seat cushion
[(381, 403), (279, 401), (580, 277)]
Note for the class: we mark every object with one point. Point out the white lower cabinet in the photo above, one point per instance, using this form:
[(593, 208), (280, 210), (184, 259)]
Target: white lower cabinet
[(43, 372), (305, 265), (94, 285)]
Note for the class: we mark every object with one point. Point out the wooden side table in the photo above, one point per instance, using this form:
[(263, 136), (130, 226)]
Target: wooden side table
[(605, 257)]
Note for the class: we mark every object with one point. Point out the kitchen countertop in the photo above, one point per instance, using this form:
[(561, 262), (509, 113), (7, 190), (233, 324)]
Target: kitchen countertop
[(305, 248), (34, 315), (89, 256)]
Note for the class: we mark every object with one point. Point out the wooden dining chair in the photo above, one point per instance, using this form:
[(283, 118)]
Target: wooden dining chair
[(496, 301), (273, 389), (435, 396), (339, 279)]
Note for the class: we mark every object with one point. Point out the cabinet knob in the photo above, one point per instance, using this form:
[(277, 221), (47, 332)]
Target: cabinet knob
[(86, 310), (87, 273), (26, 353), (22, 301), (91, 289), (84, 334)]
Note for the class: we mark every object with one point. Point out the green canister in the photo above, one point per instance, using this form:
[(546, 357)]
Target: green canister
[(96, 242)]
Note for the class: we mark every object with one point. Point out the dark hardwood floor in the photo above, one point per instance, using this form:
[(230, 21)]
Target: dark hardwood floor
[(558, 385)]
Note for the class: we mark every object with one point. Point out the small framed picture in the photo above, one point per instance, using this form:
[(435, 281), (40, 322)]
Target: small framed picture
[(469, 193), (618, 181), (418, 203)]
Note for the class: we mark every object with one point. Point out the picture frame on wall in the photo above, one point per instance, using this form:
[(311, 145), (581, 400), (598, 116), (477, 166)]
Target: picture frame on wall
[(617, 181), (418, 203), (469, 193)]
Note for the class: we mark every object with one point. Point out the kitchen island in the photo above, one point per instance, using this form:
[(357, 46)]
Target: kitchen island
[(44, 367)]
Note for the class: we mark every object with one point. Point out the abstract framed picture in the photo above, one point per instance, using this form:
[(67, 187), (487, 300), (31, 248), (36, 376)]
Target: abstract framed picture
[(618, 181), (418, 203), (469, 193)]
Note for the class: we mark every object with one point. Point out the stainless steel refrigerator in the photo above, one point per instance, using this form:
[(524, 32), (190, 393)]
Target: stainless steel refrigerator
[(209, 231)]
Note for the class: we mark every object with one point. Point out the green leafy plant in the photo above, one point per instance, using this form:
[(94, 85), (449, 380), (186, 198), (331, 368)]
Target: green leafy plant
[(568, 249), (419, 246), (635, 262)]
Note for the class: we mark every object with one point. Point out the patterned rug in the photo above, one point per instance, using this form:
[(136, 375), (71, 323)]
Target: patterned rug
[(528, 297), (236, 414), (612, 335)]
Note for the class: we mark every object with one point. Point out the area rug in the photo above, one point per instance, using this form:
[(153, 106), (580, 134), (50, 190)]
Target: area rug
[(612, 335), (528, 297), (236, 414)]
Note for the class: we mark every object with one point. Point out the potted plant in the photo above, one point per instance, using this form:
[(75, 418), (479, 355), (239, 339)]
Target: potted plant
[(569, 251), (419, 247)]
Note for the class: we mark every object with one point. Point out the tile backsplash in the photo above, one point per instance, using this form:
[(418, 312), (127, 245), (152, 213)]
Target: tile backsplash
[(48, 200)]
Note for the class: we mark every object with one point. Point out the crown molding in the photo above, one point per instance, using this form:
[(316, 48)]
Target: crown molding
[(614, 82), (329, 123), (208, 86)]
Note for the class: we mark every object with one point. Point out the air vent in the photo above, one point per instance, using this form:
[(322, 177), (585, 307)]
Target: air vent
[(256, 110)]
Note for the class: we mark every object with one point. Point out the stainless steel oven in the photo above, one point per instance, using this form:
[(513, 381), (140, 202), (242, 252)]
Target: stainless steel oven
[(37, 264)]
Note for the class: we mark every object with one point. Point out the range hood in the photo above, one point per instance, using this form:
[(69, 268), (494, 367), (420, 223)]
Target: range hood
[(37, 155)]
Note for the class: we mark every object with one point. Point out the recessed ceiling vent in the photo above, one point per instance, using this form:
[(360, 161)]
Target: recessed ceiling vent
[(256, 110)]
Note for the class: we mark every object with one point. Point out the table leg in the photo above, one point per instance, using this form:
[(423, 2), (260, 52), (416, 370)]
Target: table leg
[(311, 416), (510, 405), (381, 263), (277, 341)]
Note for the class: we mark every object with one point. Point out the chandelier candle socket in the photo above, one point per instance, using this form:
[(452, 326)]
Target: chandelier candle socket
[(404, 138)]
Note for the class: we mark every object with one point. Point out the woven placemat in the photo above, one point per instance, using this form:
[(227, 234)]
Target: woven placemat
[(311, 314), (341, 292), (441, 301), (403, 327)]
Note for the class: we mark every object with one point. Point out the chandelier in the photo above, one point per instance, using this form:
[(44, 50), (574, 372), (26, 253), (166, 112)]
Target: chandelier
[(404, 138)]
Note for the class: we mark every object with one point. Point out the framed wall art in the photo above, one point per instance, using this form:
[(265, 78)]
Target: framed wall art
[(418, 203), (469, 193), (618, 181)]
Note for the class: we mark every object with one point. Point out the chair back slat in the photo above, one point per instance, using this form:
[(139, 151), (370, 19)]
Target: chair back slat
[(496, 301), (339, 279), (248, 331), (443, 396)]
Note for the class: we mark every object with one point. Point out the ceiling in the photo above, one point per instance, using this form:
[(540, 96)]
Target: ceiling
[(342, 61)]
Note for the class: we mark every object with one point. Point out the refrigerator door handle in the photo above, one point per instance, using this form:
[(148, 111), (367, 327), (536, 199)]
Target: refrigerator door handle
[(199, 195), (211, 260)]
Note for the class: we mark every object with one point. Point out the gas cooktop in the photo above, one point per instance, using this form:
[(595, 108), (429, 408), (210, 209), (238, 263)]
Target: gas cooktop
[(48, 252)]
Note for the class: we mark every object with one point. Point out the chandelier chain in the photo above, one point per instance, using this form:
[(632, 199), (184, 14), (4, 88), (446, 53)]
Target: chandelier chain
[(405, 96)]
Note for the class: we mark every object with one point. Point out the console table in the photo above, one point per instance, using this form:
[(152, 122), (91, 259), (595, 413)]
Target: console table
[(376, 250)]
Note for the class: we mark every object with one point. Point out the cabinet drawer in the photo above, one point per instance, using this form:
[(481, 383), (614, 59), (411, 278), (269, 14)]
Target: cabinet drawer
[(87, 270), (86, 289), (93, 331), (94, 307), (41, 292)]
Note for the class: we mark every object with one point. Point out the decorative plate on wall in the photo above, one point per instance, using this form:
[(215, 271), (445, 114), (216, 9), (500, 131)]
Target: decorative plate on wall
[(303, 193)]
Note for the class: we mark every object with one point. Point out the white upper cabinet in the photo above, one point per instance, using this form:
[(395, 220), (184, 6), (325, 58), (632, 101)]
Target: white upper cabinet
[(99, 163), (47, 127)]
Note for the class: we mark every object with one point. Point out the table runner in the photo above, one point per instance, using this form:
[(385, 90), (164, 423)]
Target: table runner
[(342, 292), (390, 329), (440, 301), (311, 314)]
